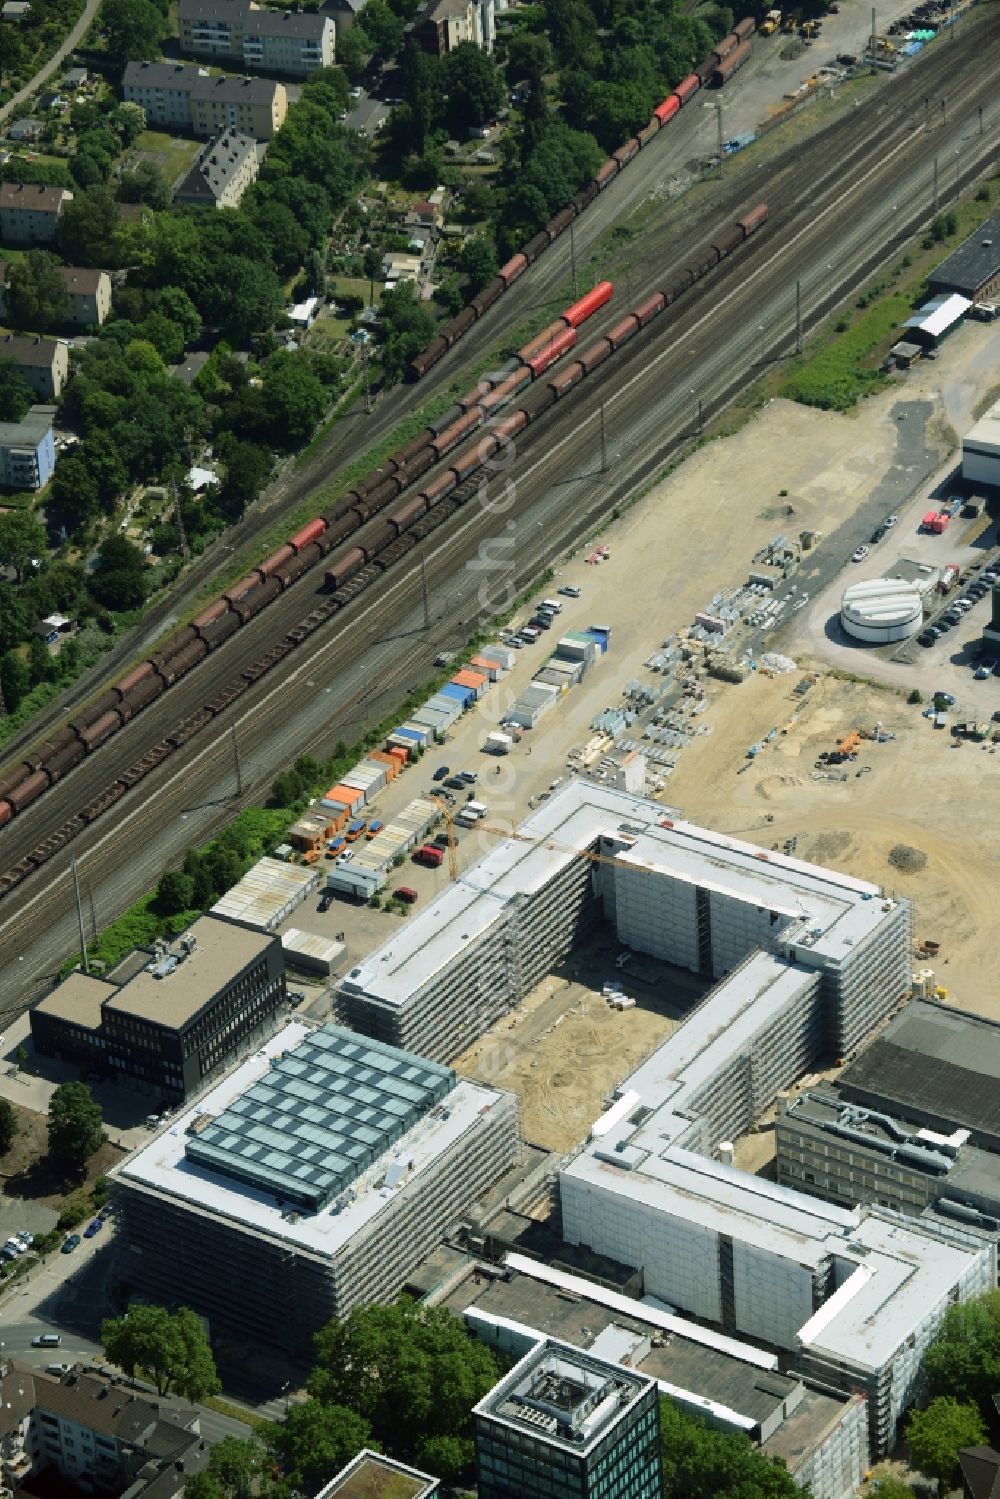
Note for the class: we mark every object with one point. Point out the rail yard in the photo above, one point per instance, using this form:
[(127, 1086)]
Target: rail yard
[(645, 423)]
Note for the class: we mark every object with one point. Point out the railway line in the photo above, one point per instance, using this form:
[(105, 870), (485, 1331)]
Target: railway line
[(624, 385)]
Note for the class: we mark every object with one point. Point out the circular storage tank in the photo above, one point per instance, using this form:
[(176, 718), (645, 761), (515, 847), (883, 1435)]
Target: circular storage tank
[(881, 610)]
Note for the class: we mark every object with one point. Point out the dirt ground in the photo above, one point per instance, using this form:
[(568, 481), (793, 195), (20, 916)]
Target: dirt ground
[(564, 1050), (919, 792), (26, 1172)]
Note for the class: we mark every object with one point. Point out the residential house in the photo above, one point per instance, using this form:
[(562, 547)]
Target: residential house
[(449, 23), (222, 172), (27, 450), (76, 78), (344, 12), (54, 627), (27, 129), (94, 1433), (29, 212), (15, 10), (44, 362), (89, 295), (276, 41), (179, 97)]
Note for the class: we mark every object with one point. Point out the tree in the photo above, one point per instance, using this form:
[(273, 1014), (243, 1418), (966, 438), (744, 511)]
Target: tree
[(354, 48), (89, 231), (128, 120), (36, 293), (294, 399), (529, 58), (408, 326), (234, 1464), (383, 27), (245, 298), (118, 580), (16, 395), (373, 269), (171, 1347), (14, 620), (174, 892), (41, 667), (22, 541), (474, 86), (479, 261), (8, 1125), (314, 1441), (135, 30), (14, 681), (964, 1359), (935, 1435), (701, 1463), (247, 469), (75, 1127), (145, 183), (411, 1372)]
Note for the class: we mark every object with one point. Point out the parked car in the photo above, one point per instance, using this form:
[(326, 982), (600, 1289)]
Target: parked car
[(47, 1340), (570, 591), (890, 520), (455, 783), (440, 773), (406, 894), (946, 697), (326, 900), (73, 1242), (860, 554), (93, 1227)]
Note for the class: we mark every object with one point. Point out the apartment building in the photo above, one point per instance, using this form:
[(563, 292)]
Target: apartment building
[(313, 1178), (89, 293), (292, 42), (43, 362), (29, 212), (27, 450), (170, 1019), (449, 23), (183, 98), (222, 172)]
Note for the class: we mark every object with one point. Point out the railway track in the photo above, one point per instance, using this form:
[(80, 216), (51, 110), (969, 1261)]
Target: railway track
[(635, 399)]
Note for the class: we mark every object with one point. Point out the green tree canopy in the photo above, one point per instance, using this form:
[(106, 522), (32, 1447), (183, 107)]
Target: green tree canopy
[(16, 395), (144, 183), (15, 680), (474, 85), (314, 1441), (248, 466), (22, 541), (935, 1435), (8, 1125), (964, 1359), (135, 30), (169, 1346), (75, 1127), (411, 1372), (407, 325), (36, 293), (479, 261), (702, 1463), (174, 892), (89, 229), (118, 580)]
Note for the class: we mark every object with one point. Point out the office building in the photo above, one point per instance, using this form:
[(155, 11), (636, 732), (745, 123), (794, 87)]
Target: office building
[(853, 1294), (222, 172), (29, 212), (181, 98), (171, 1019), (973, 270), (371, 1475), (688, 896), (97, 1436), (564, 1422), (849, 1152), (27, 449), (317, 1174), (291, 42), (820, 1434), (43, 362)]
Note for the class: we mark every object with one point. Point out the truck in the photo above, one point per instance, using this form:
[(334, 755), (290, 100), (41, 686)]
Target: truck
[(935, 522), (429, 855), (497, 743)]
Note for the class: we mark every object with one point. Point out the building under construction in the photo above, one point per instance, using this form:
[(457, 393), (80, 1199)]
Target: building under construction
[(683, 894)]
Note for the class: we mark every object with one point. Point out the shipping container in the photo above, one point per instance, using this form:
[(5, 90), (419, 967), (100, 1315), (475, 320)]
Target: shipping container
[(429, 855), (489, 668), (500, 653), (475, 680), (463, 695), (391, 762)]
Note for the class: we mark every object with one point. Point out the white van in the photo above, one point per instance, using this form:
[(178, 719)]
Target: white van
[(550, 606), (476, 809)]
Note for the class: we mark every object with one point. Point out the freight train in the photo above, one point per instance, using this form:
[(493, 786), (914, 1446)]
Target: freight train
[(354, 568), (718, 67)]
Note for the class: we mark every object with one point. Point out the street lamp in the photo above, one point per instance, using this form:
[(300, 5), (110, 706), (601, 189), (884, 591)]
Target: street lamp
[(830, 274), (697, 397)]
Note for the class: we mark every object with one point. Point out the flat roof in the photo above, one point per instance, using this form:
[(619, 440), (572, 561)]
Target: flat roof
[(975, 262), (162, 1168), (78, 999), (934, 1060), (221, 952), (326, 1110), (939, 314), (372, 1476), (564, 1397), (828, 912), (985, 434)]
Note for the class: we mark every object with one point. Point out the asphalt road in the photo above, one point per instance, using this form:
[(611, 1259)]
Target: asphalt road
[(558, 488)]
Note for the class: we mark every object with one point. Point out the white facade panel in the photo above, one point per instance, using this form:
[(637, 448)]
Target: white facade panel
[(738, 928), (772, 1296), (657, 915)]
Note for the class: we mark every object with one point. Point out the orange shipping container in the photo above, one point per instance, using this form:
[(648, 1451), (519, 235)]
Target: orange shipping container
[(489, 669), (473, 679), (350, 796), (400, 754), (389, 761)]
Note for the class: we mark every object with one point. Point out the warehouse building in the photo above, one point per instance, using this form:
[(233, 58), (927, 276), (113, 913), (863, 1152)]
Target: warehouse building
[(311, 1179), (168, 1019), (683, 894), (564, 1422), (853, 1294), (981, 449), (973, 271), (820, 1434)]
